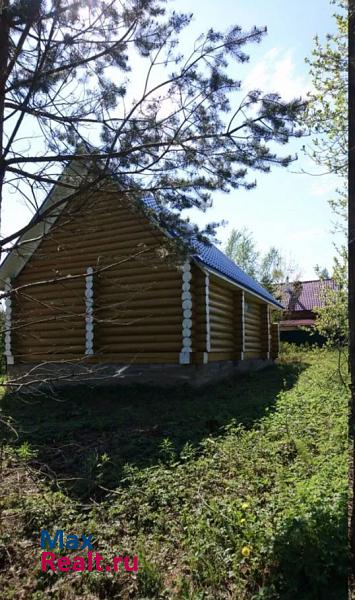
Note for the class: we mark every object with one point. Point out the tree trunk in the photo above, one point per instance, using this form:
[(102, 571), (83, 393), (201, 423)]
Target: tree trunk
[(352, 279), (4, 56)]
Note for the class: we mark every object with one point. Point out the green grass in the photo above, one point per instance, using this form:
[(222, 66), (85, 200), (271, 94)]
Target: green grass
[(237, 491), (72, 431)]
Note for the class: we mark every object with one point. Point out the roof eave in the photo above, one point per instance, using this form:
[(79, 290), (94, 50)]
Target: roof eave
[(15, 261), (274, 303)]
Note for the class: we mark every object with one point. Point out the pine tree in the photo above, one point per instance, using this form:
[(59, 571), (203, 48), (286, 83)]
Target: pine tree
[(176, 125)]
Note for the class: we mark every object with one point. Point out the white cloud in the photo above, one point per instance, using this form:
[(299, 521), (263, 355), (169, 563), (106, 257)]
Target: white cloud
[(325, 187), (277, 72), (308, 235)]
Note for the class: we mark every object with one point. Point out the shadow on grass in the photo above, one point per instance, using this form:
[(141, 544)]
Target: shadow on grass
[(75, 431), (311, 556)]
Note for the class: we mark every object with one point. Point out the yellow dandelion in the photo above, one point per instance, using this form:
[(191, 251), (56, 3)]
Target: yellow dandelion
[(246, 550), (245, 505)]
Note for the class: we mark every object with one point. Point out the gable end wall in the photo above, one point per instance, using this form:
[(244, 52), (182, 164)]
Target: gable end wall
[(137, 312)]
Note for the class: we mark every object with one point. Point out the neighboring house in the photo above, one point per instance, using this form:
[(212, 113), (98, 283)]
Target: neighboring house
[(100, 292), (300, 299)]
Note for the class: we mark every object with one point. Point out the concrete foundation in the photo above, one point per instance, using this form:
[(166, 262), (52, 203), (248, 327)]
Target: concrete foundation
[(62, 374)]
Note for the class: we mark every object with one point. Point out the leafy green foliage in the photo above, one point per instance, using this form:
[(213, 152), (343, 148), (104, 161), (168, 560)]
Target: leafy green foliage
[(326, 113), (333, 319), (257, 512), (270, 268), (241, 248), (327, 118)]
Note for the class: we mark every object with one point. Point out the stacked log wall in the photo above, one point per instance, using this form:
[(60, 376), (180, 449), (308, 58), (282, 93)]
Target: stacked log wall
[(253, 346), (137, 295), (137, 289), (222, 320), (275, 340), (200, 314)]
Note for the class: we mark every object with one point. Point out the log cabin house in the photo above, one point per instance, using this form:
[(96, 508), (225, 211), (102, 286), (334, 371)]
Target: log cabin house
[(99, 292)]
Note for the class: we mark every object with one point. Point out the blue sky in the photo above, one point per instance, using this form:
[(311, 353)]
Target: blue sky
[(288, 208)]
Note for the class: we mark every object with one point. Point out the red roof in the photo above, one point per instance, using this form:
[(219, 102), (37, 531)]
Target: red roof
[(305, 295)]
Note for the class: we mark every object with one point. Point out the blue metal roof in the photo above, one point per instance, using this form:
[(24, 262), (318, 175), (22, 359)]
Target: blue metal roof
[(211, 257)]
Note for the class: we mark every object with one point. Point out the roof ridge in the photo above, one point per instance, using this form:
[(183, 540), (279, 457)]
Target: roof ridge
[(306, 281)]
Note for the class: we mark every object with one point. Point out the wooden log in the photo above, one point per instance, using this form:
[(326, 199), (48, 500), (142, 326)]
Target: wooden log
[(219, 343), (110, 262), (216, 311), (220, 347), (226, 338), (249, 355), (34, 309), (121, 293), (254, 339), (251, 319), (168, 332), (113, 267), (69, 251), (249, 343), (95, 235), (226, 324), (221, 335), (253, 331), (59, 297), (79, 248), (252, 347), (119, 358), (50, 331), (47, 286), (141, 347), (48, 312), (221, 318), (172, 284), (252, 325), (34, 305), (131, 298), (215, 296), (221, 302), (221, 292), (138, 273), (252, 316), (109, 222), (217, 355), (114, 256), (45, 349), (252, 336), (154, 313)]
